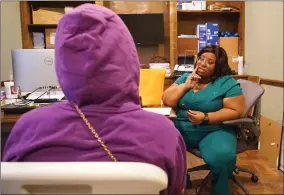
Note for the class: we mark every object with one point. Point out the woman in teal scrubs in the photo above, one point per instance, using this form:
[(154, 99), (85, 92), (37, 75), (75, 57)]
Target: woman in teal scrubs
[(203, 100)]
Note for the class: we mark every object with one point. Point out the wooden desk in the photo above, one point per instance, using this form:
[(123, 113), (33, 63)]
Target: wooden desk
[(7, 123), (11, 119)]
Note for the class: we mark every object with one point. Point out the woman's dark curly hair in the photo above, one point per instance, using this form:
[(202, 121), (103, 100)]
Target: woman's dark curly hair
[(222, 67)]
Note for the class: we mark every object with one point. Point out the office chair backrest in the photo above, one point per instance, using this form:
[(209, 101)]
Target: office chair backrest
[(81, 178), (252, 92)]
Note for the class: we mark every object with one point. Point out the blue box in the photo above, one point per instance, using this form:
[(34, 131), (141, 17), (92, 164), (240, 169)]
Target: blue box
[(212, 29), (201, 44), (212, 40), (201, 30), (203, 38)]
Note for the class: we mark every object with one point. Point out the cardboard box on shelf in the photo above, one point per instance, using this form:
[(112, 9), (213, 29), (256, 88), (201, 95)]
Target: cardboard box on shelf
[(123, 7), (46, 15), (187, 45), (233, 62), (230, 44), (50, 38)]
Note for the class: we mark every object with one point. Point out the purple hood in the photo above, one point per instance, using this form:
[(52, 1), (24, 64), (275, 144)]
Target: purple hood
[(96, 59)]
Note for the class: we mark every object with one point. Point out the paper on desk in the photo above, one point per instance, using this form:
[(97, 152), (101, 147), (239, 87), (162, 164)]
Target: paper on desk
[(163, 111)]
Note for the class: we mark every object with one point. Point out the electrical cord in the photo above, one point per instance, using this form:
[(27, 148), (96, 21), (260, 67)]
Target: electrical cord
[(27, 95), (43, 93), (38, 88)]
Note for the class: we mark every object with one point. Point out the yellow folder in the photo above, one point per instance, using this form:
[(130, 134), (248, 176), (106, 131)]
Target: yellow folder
[(151, 86)]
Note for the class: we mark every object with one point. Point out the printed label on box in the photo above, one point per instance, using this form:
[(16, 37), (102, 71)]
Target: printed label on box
[(235, 58), (212, 29), (213, 40)]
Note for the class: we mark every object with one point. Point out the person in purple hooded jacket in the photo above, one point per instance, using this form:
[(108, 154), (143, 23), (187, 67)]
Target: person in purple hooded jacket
[(98, 70)]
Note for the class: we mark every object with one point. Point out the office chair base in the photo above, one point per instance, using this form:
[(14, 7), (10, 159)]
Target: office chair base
[(236, 181), (206, 185), (188, 182), (254, 177), (199, 168)]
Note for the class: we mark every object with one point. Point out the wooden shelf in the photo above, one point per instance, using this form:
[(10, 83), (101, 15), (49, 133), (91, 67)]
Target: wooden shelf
[(42, 25), (205, 11), (58, 4), (176, 22)]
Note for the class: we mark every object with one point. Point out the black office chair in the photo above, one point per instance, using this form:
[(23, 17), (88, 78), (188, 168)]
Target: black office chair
[(248, 132)]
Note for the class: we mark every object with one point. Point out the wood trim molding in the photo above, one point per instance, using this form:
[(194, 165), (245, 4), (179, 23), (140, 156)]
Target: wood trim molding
[(272, 82), (240, 76), (263, 81)]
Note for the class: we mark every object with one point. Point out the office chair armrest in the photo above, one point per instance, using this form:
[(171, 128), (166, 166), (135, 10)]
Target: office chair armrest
[(241, 121), (248, 122)]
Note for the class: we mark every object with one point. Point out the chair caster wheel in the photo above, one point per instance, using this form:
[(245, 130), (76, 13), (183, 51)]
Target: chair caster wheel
[(254, 179), (236, 171), (197, 190)]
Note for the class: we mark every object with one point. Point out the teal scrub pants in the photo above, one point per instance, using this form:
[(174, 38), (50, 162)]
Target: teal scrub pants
[(218, 150)]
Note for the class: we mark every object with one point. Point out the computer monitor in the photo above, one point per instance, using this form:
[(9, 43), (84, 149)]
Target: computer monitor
[(33, 68), (146, 29)]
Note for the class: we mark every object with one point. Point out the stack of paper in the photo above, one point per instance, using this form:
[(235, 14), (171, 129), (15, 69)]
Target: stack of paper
[(162, 111), (161, 66)]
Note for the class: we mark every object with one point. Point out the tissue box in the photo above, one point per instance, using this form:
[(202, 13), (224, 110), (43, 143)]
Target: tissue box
[(187, 46), (212, 29)]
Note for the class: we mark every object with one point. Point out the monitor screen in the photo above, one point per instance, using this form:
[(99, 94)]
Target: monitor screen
[(146, 29)]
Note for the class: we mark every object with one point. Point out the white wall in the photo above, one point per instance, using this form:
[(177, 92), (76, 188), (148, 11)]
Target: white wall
[(264, 51), (10, 35), (281, 164)]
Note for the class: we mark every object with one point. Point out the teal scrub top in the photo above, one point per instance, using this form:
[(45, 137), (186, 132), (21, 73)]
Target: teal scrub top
[(209, 99)]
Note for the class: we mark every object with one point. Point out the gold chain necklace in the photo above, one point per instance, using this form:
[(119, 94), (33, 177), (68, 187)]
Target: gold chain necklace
[(95, 133)]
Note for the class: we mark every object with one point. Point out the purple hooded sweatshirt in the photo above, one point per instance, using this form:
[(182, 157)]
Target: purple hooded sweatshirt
[(98, 68)]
